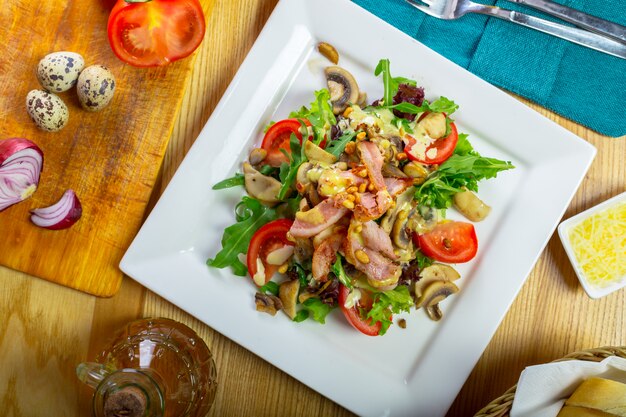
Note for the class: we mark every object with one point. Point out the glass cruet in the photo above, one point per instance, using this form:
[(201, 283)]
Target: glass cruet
[(152, 368)]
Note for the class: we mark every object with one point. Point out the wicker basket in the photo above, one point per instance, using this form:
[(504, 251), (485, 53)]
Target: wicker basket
[(501, 406)]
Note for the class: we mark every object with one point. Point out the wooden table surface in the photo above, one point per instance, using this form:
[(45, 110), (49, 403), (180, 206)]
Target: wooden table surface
[(46, 329)]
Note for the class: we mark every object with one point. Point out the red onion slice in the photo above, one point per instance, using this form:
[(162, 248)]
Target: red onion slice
[(21, 162), (60, 215)]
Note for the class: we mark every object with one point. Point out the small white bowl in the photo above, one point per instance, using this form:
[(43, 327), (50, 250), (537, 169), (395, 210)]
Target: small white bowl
[(593, 291)]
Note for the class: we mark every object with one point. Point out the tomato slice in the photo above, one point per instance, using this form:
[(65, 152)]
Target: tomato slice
[(355, 315), (444, 146), (277, 137), (267, 239), (451, 242), (155, 32)]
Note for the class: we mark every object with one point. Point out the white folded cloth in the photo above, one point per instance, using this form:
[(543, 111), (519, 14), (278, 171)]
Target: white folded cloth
[(542, 389)]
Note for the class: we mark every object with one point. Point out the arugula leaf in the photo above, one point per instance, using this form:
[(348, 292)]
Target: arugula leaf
[(270, 287), (337, 146), (268, 170), (389, 91), (387, 303), (390, 83), (464, 169), (337, 269), (289, 171), (317, 309), (251, 215), (234, 181)]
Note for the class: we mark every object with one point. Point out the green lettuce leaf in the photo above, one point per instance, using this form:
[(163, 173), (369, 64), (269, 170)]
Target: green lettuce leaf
[(316, 309), (320, 114), (464, 169), (387, 303)]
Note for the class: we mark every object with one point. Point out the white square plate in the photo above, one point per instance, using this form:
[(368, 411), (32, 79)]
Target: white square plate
[(412, 371)]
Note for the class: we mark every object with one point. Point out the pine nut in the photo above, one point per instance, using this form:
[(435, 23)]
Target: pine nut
[(362, 256), (283, 268)]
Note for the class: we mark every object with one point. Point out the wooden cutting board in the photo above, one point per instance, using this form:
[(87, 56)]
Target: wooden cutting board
[(110, 158)]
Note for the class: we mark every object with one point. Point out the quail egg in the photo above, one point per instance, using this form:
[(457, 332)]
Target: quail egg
[(58, 71), (95, 87), (47, 110)]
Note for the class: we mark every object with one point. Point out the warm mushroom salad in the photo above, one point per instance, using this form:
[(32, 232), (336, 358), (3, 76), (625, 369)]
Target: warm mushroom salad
[(346, 203)]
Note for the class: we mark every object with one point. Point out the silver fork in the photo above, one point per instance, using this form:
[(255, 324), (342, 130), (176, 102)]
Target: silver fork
[(454, 9)]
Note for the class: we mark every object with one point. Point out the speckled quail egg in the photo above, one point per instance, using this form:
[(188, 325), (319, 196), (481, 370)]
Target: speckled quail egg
[(58, 71), (47, 110), (95, 87)]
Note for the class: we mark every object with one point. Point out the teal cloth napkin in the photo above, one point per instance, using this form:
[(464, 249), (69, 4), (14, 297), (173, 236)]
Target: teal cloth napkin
[(581, 84)]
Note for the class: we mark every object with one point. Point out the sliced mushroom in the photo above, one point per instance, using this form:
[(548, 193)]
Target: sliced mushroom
[(343, 88), (362, 101), (435, 293), (328, 51), (392, 171), (288, 293), (434, 312), (416, 171), (257, 156), (400, 232), (303, 183), (433, 273), (422, 219), (471, 206), (267, 303), (434, 124), (316, 154), (260, 186)]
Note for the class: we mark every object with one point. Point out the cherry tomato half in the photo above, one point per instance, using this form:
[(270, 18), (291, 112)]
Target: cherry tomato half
[(451, 242), (444, 146), (151, 33), (267, 239), (355, 315), (277, 137)]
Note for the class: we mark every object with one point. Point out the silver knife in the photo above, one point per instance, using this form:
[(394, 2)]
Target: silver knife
[(580, 19)]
